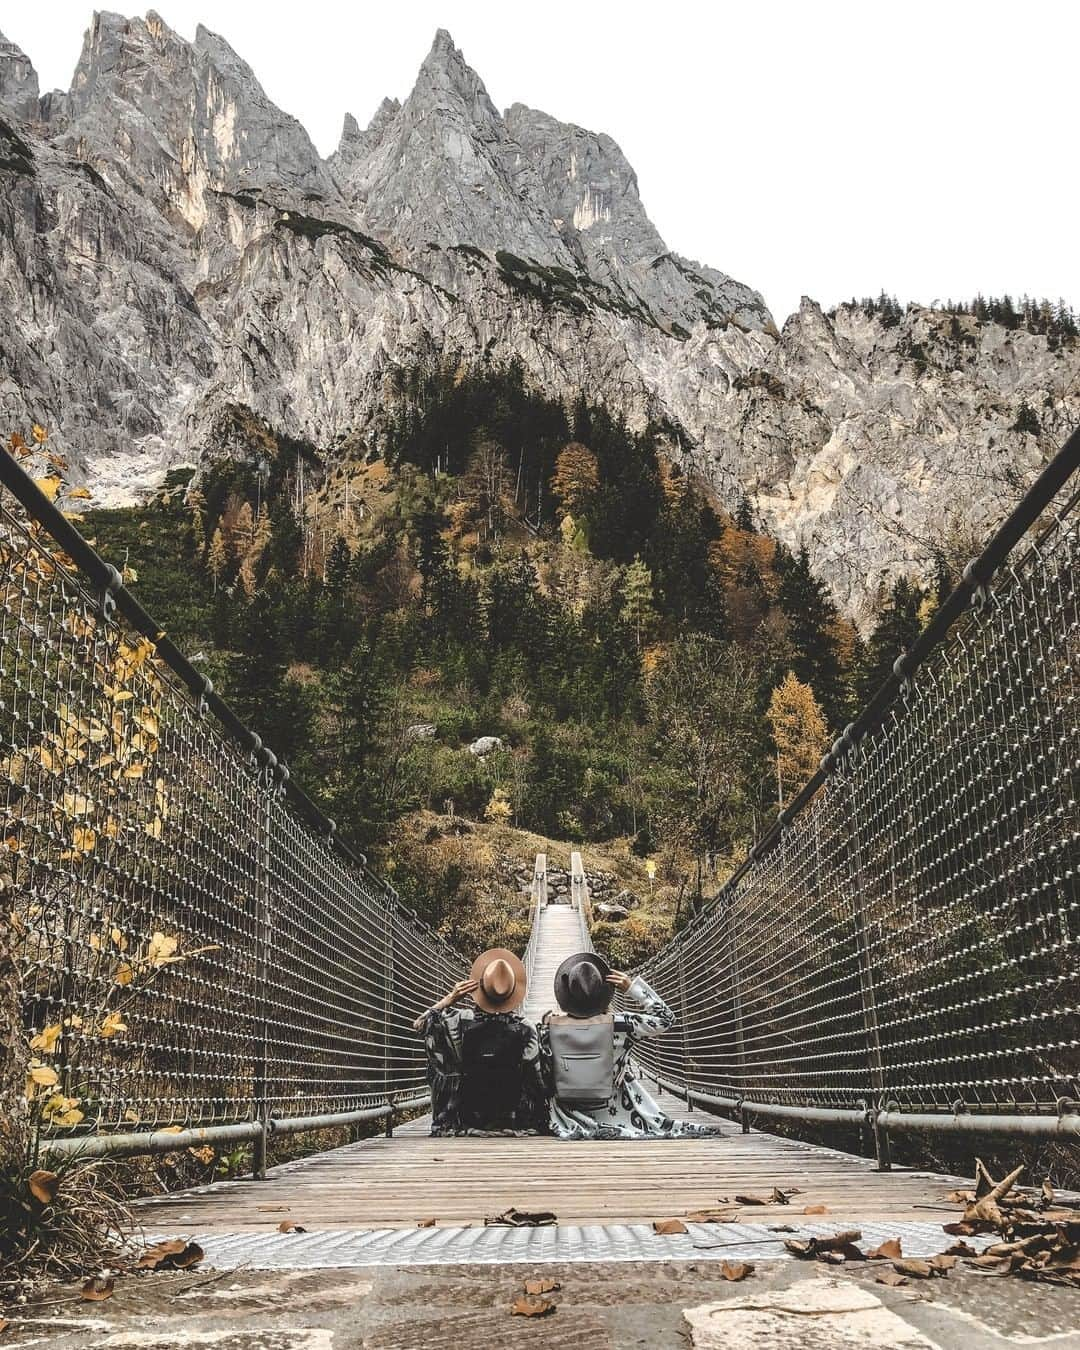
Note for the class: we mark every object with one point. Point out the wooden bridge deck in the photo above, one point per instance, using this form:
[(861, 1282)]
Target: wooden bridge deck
[(402, 1181), (411, 1178)]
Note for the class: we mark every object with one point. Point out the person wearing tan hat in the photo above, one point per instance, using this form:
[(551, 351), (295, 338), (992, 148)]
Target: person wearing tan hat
[(484, 1063)]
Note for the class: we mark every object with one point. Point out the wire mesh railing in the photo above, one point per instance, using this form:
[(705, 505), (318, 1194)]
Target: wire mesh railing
[(196, 948), (901, 950)]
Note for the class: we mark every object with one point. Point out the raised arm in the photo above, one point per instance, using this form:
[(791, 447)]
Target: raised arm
[(460, 990), (655, 1016)]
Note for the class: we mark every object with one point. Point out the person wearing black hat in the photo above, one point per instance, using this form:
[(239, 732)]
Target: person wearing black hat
[(484, 1062), (584, 987)]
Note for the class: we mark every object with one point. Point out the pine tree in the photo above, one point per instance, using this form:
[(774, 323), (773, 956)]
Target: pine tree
[(811, 618), (799, 734), (638, 609), (196, 502), (896, 629), (744, 514), (576, 479), (244, 530), (217, 560)]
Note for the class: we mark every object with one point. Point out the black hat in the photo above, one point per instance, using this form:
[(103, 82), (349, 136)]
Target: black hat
[(581, 986)]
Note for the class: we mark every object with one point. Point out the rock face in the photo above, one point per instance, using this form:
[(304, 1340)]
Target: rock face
[(593, 195), (177, 262), (18, 81)]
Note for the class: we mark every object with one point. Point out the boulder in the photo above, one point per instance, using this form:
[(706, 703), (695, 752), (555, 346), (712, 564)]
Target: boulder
[(612, 913), (485, 745)]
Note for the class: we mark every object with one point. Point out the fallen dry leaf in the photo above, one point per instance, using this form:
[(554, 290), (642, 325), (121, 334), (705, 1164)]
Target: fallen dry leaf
[(171, 1254), (736, 1270), (425, 1223), (997, 1263), (888, 1251), (919, 1270), (525, 1306), (190, 1256), (153, 1256), (755, 1200), (287, 1226), (960, 1249), (943, 1263), (541, 1286), (98, 1288), (989, 1194), (665, 1227), (891, 1277), (713, 1216), (816, 1209), (522, 1218), (43, 1186)]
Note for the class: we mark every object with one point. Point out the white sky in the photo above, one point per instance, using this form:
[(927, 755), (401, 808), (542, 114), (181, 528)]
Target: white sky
[(816, 147)]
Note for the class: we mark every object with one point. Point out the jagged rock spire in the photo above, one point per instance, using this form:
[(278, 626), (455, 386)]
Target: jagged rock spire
[(444, 169), (18, 81)]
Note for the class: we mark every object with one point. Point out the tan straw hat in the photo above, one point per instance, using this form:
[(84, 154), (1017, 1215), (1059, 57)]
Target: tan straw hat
[(500, 980)]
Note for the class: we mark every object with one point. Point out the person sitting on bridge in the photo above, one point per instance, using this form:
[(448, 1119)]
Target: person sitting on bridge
[(595, 1093), (484, 1065)]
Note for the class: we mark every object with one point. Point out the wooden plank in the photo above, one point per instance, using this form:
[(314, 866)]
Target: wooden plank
[(390, 1183)]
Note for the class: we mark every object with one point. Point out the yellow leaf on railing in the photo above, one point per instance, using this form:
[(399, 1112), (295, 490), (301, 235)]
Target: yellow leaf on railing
[(62, 1111), (39, 1075), (112, 1025), (162, 950), (46, 1040), (49, 487), (84, 839)]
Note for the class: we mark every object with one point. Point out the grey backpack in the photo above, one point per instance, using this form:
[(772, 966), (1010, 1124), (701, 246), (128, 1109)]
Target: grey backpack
[(582, 1058)]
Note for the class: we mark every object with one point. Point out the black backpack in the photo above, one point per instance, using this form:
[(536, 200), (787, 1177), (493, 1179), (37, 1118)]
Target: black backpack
[(491, 1073)]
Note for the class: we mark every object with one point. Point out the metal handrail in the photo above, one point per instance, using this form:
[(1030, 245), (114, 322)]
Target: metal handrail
[(199, 949), (899, 948)]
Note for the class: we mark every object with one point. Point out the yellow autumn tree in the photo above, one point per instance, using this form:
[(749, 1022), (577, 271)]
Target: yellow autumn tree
[(799, 733), (576, 478), (498, 810)]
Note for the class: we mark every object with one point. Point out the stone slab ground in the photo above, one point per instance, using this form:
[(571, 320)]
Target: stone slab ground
[(668, 1305)]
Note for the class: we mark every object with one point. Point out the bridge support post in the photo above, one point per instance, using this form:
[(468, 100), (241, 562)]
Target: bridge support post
[(259, 1087), (736, 1003), (388, 1012), (685, 1031), (868, 999)]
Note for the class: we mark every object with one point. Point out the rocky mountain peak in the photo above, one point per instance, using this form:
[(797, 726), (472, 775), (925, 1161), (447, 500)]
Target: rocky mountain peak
[(355, 144), (448, 144), (180, 119), (201, 259), (592, 192), (18, 81)]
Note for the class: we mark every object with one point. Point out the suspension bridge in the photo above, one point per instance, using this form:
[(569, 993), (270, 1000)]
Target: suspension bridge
[(205, 961)]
